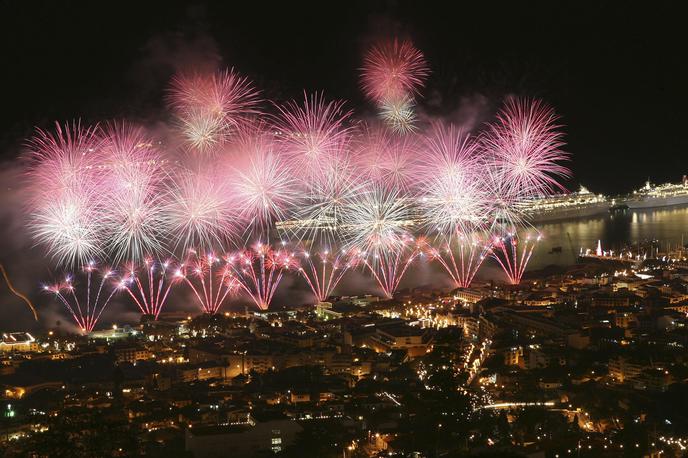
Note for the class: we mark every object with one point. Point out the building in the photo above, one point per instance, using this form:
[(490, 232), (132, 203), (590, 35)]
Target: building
[(18, 341), (241, 440), (416, 341)]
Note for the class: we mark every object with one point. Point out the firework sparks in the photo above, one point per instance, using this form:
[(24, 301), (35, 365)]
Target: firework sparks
[(134, 214), (149, 286), (264, 188), (388, 159), (393, 70), (526, 146), (199, 211), (259, 271), (398, 114), (388, 266), (512, 260), (313, 134), (461, 257), (324, 270), (66, 196), (377, 219), (453, 199), (210, 278), (85, 309), (210, 108)]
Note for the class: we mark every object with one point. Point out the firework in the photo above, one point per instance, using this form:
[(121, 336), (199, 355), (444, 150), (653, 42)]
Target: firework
[(512, 258), (318, 214), (312, 134), (85, 309), (461, 257), (134, 217), (388, 266), (259, 271), (263, 186), (211, 107), (150, 285), (393, 70), (377, 219), (200, 211), (66, 196), (387, 159), (398, 114), (525, 144), (323, 270), (453, 198), (210, 278)]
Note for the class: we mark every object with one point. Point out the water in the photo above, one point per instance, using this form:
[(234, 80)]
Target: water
[(667, 224)]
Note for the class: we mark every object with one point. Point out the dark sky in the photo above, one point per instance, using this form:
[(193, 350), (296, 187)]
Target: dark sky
[(617, 74)]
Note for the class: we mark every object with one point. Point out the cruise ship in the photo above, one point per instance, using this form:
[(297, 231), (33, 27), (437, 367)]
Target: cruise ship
[(662, 195), (581, 203)]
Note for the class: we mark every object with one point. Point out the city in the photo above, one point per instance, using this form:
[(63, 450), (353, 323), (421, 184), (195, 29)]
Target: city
[(585, 361), (371, 229)]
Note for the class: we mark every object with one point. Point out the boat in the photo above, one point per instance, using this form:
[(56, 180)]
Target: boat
[(581, 203), (663, 195)]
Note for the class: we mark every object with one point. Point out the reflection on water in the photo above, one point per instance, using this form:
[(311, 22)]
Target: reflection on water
[(668, 225)]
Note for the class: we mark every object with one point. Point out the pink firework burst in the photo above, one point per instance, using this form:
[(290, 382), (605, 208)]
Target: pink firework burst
[(318, 214), (313, 134), (376, 219), (324, 269), (259, 271), (512, 253), (452, 194), (200, 211), (149, 285), (134, 217), (85, 303), (388, 159), (393, 70), (264, 189), (210, 278), (66, 192), (211, 107), (525, 147)]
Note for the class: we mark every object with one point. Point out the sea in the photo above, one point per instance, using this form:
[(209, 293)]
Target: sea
[(562, 240)]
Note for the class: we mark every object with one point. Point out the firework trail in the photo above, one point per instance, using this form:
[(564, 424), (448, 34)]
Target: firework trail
[(324, 269), (150, 286), (134, 214), (461, 257), (87, 309), (526, 142), (259, 271), (210, 278), (210, 108), (388, 266), (14, 291), (66, 196), (512, 261), (313, 134)]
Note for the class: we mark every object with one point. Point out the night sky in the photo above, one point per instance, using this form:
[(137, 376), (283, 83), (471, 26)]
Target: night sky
[(617, 74)]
